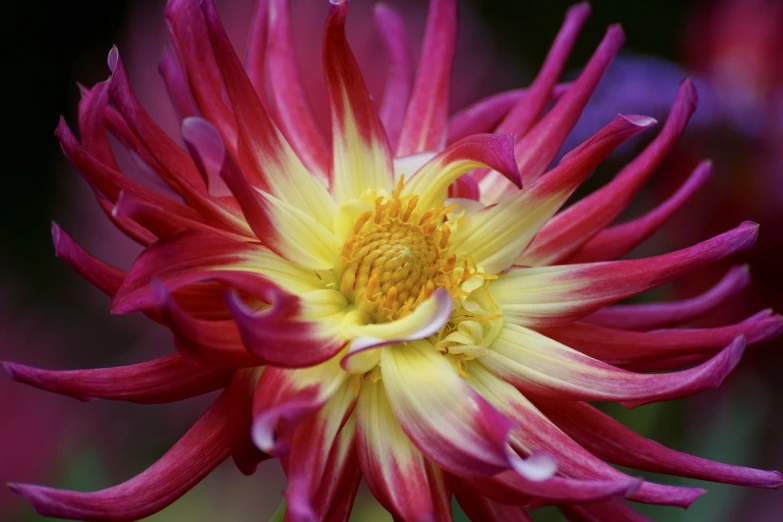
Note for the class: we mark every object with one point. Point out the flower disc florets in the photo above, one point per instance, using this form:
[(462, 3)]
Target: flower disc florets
[(397, 256)]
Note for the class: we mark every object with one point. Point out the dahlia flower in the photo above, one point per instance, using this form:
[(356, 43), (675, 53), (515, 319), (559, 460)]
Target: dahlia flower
[(403, 302)]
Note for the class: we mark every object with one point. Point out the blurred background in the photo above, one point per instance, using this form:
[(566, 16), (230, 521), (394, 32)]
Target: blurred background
[(49, 317)]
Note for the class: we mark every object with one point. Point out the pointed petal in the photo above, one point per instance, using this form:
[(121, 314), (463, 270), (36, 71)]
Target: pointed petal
[(556, 295), (529, 109), (239, 420), (105, 277), (535, 433), (599, 512), (592, 479), (622, 347), (172, 163), (92, 124), (541, 366), (292, 332), (424, 127), (188, 33), (485, 114), (198, 256), (286, 398), (479, 507), (337, 491), (108, 182), (397, 473), (153, 217), (497, 235), (255, 55), (616, 241), (396, 94), (264, 156), (575, 226), (431, 182), (564, 236), (450, 424), (176, 85), (661, 315), (191, 459), (294, 113), (168, 379), (360, 150), (537, 149), (311, 446), (286, 229), (610, 440), (208, 343)]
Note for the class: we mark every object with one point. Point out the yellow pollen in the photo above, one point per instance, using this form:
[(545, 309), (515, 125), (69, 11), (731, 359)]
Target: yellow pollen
[(398, 256)]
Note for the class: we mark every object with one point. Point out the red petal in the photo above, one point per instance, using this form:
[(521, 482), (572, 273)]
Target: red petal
[(424, 128), (239, 420), (610, 440), (537, 149), (565, 233), (168, 379), (191, 459), (396, 94), (294, 113), (106, 278)]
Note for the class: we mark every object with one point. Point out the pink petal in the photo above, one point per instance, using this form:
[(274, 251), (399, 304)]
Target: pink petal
[(602, 511), (279, 334), (485, 114), (396, 94), (399, 476), (497, 235), (286, 398), (479, 507), (183, 259), (616, 241), (211, 343), (568, 231), (191, 459), (239, 420), (92, 124), (662, 315), (526, 112), (537, 149), (450, 424), (525, 359), (172, 163), (313, 442), (255, 56), (358, 138), (618, 346), (106, 278), (168, 379), (188, 33), (424, 128), (294, 113), (565, 293), (610, 440), (176, 85)]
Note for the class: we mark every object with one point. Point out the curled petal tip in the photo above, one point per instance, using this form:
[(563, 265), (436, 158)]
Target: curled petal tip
[(777, 480), (8, 369), (736, 350), (616, 33), (537, 467), (582, 9), (639, 121), (113, 58)]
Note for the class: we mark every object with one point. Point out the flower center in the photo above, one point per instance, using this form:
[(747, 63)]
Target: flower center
[(397, 257)]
